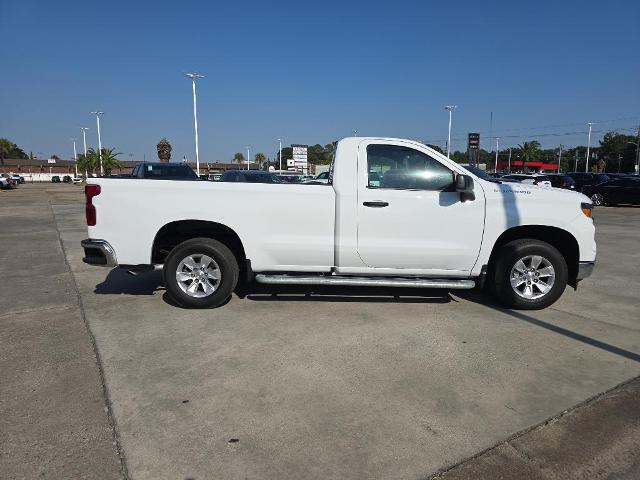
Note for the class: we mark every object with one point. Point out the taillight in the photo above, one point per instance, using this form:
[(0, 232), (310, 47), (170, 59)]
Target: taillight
[(90, 191)]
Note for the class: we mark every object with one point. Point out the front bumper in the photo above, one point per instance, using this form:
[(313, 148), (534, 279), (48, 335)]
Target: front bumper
[(585, 269), (99, 252)]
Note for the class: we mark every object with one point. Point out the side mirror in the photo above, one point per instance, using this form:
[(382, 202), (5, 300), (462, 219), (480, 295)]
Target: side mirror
[(464, 185)]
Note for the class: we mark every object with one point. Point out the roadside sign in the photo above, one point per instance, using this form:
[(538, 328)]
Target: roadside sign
[(51, 160), (473, 141)]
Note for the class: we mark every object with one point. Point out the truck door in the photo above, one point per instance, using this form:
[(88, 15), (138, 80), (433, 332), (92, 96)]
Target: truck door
[(409, 214)]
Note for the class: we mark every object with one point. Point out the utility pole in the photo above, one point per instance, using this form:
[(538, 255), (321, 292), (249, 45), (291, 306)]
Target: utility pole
[(280, 152), (194, 77), (638, 152), (586, 168), (497, 149), (509, 159), (75, 156), (97, 114), (450, 109), (559, 157), (248, 158)]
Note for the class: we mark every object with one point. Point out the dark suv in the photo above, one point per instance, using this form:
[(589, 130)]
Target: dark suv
[(164, 171), (586, 179), (560, 180)]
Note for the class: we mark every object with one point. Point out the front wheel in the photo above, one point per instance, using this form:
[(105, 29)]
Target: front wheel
[(200, 273), (529, 275), (597, 199)]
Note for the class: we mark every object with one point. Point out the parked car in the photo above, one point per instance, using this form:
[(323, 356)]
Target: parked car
[(529, 178), (67, 179), (6, 182), (586, 179), (622, 190), (55, 179), (78, 179), (559, 180), (18, 178), (164, 171), (428, 224), (249, 176), (318, 179)]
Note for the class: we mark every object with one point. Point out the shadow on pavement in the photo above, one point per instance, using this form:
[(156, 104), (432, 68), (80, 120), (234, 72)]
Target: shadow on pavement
[(118, 281), (488, 302)]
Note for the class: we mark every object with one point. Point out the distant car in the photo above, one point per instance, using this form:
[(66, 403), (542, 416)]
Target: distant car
[(17, 178), (321, 178), (67, 179), (248, 176), (6, 182), (164, 171), (55, 179), (586, 179), (78, 179), (559, 180), (288, 178), (624, 190), (531, 179)]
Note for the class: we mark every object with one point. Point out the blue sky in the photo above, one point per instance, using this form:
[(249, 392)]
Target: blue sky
[(313, 72)]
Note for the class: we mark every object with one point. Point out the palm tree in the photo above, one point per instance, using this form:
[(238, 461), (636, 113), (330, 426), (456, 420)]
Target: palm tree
[(238, 158), (164, 150), (109, 160), (529, 151), (90, 162), (260, 159)]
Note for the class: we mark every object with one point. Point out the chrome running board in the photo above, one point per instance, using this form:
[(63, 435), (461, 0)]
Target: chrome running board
[(452, 284)]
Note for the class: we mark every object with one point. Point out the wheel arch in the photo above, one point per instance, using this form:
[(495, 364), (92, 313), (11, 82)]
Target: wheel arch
[(561, 239), (174, 233)]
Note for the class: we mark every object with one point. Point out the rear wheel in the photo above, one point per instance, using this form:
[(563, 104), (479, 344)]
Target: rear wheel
[(529, 275), (200, 273)]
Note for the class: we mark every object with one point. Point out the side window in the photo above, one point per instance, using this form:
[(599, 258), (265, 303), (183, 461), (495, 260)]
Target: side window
[(393, 166)]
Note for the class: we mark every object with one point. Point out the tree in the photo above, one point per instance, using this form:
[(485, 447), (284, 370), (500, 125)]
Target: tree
[(109, 160), (238, 158), (621, 151), (164, 150), (8, 149), (529, 152), (435, 147), (260, 158), (89, 162)]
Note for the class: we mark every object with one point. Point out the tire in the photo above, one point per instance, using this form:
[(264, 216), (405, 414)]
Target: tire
[(208, 273), (597, 199), (515, 283)]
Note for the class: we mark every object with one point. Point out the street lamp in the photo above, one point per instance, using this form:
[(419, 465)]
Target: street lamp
[(193, 77), (497, 148), (280, 152), (248, 158), (586, 168), (97, 114), (450, 108), (75, 156), (559, 156), (84, 140)]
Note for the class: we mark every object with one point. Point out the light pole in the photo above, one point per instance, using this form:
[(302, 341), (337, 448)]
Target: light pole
[(450, 108), (497, 148), (84, 140), (509, 168), (97, 114), (586, 168), (248, 158), (559, 156), (193, 77), (280, 152), (75, 156)]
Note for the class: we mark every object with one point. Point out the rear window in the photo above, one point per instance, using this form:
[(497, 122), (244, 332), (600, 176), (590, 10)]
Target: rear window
[(173, 171)]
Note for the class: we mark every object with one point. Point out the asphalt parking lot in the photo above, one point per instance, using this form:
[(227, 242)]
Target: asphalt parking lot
[(279, 384)]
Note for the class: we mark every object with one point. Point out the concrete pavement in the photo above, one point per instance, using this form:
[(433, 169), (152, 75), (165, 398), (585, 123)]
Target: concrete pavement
[(52, 408), (349, 386), (340, 384)]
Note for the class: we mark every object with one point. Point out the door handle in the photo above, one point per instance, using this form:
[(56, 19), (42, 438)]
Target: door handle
[(376, 204)]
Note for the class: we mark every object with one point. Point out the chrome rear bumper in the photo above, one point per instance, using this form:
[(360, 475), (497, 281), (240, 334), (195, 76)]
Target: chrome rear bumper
[(99, 252), (585, 269)]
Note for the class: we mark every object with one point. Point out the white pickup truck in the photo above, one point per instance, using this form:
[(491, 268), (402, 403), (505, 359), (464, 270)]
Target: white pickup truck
[(393, 213)]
